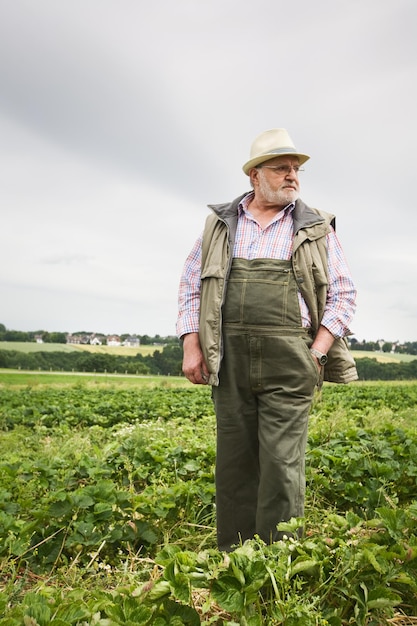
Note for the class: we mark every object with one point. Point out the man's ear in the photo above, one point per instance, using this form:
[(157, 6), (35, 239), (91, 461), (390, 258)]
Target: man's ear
[(254, 176)]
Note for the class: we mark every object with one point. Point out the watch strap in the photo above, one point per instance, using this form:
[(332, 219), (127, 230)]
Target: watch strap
[(321, 357)]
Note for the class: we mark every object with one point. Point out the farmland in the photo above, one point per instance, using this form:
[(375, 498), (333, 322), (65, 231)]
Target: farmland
[(382, 357), (26, 346), (107, 509), (166, 360)]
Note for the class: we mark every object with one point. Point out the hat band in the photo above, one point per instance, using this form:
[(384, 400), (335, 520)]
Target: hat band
[(279, 151)]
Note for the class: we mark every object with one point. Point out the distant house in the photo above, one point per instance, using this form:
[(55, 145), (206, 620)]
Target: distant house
[(74, 339), (78, 339), (132, 341), (114, 340), (38, 339), (95, 341)]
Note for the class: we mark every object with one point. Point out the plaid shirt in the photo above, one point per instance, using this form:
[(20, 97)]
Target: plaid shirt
[(272, 242)]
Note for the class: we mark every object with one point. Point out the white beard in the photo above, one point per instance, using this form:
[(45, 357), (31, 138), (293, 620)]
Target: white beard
[(282, 197)]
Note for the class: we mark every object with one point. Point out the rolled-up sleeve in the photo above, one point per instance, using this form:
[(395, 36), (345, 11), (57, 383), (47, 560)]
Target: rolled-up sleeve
[(341, 296), (189, 293)]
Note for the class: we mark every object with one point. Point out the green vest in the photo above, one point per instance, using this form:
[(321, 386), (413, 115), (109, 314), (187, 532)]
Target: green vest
[(309, 261)]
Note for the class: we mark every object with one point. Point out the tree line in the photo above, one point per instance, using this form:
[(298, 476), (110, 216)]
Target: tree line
[(371, 369), (408, 347), (165, 362), (60, 337)]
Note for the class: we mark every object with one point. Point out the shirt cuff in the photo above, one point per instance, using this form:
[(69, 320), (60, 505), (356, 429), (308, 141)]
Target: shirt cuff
[(186, 326)]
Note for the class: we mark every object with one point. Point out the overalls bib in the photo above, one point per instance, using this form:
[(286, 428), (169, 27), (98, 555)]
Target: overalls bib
[(267, 380)]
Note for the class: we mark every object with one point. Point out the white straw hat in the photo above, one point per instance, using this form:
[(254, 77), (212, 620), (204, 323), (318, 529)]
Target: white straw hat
[(270, 144)]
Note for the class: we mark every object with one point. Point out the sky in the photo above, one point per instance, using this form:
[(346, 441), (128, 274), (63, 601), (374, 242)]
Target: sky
[(121, 120)]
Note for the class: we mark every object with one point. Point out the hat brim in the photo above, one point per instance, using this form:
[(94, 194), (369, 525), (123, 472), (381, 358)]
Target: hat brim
[(302, 158)]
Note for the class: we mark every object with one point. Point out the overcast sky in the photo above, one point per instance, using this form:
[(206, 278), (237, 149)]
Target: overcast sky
[(120, 120)]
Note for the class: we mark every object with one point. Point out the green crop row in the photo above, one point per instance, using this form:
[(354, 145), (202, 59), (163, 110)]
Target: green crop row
[(107, 512)]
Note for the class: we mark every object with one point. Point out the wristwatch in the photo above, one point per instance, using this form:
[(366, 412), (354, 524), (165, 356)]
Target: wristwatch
[(322, 358)]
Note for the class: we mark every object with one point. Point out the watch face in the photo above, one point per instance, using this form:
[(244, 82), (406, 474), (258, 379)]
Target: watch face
[(322, 358)]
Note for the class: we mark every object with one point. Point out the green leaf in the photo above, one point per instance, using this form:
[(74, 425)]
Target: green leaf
[(60, 509), (255, 620), (227, 591), (303, 566), (381, 598), (291, 527), (36, 607), (403, 578), (103, 511), (239, 575), (160, 589), (129, 610), (181, 588), (10, 621), (370, 556), (82, 500), (181, 615), (72, 613)]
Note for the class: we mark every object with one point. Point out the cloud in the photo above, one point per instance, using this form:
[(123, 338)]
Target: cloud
[(120, 121)]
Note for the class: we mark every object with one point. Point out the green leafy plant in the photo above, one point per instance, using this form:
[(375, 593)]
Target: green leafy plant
[(107, 512)]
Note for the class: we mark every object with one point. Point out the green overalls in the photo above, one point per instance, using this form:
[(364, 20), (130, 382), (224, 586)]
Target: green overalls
[(266, 384)]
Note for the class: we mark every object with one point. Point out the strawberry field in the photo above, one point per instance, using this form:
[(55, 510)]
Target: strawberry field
[(107, 511)]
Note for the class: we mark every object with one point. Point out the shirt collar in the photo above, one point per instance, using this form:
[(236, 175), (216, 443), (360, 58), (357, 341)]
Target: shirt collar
[(244, 203)]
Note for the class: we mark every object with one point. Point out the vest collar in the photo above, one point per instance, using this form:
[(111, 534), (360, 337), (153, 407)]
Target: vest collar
[(308, 223)]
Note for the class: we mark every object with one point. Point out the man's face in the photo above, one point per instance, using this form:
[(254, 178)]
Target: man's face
[(276, 181)]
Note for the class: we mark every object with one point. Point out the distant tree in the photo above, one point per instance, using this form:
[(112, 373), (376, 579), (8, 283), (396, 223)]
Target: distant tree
[(412, 369), (387, 347), (17, 335), (168, 362), (57, 337), (366, 346), (171, 339), (2, 328), (409, 347), (96, 362), (52, 337)]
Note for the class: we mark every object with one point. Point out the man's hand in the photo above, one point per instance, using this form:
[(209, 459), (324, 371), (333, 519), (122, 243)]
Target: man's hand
[(322, 342), (193, 364)]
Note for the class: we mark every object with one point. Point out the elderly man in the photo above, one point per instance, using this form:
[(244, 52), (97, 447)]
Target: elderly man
[(265, 301)]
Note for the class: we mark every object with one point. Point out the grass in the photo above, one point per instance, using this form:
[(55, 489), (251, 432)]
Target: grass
[(23, 378), (383, 357), (21, 346), (120, 350), (33, 379)]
